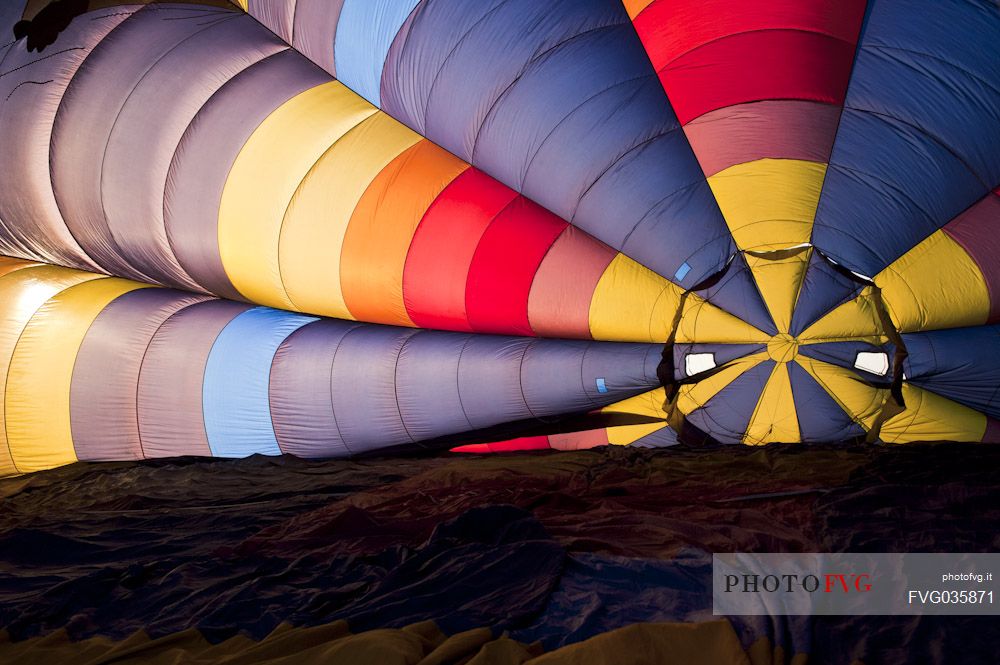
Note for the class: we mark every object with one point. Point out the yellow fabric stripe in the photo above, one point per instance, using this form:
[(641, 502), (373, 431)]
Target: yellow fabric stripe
[(633, 304), (705, 323), (695, 395), (22, 292), (312, 235), (647, 404), (242, 4), (268, 170), (9, 265), (935, 285), (779, 282), (858, 399), (930, 417), (41, 371), (774, 419), (856, 319), (769, 203)]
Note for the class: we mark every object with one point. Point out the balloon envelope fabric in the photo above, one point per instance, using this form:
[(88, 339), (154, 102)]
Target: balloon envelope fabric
[(101, 368), (796, 197)]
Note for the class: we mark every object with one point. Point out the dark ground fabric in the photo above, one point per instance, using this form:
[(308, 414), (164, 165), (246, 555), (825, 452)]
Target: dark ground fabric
[(552, 550)]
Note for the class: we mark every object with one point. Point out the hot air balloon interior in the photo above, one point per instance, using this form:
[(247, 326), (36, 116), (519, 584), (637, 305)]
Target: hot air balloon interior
[(333, 230), (353, 228)]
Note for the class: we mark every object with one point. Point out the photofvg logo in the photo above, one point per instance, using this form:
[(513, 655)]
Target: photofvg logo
[(825, 583), (854, 584)]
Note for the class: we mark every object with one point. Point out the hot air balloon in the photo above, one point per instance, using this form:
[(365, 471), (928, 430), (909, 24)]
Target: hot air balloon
[(333, 228)]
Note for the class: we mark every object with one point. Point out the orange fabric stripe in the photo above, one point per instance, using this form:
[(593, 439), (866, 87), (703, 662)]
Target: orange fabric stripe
[(382, 226)]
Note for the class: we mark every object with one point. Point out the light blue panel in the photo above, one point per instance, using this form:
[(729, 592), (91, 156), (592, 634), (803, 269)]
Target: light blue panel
[(237, 374), (364, 35)]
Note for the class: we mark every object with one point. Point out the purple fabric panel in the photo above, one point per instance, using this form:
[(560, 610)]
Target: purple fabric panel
[(844, 354), (409, 74), (661, 438), (558, 100), (276, 15), (363, 387), (620, 366), (139, 151), (824, 287), (583, 87), (655, 205), (299, 391), (486, 61), (726, 416), (169, 395), (779, 129), (10, 13), (315, 30), (31, 86), (737, 293), (820, 418), (207, 151), (489, 380), (552, 380), (427, 385), (561, 376), (87, 114), (106, 374)]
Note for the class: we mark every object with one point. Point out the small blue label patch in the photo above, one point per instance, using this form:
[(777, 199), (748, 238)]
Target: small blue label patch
[(601, 386), (682, 272)]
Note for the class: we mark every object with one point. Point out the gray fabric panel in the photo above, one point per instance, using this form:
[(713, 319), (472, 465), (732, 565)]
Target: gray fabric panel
[(489, 380), (87, 114), (169, 396), (106, 373), (315, 30), (363, 388), (149, 127), (301, 401), (427, 385), (206, 154), (31, 86)]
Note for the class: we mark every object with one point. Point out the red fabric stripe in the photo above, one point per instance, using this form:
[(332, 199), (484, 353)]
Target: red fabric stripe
[(975, 231), (437, 263), (512, 445), (504, 265), (671, 28), (754, 66)]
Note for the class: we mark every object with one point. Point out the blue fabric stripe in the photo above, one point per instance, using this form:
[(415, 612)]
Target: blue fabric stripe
[(727, 415), (962, 364), (237, 374), (820, 417), (364, 35), (919, 140)]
